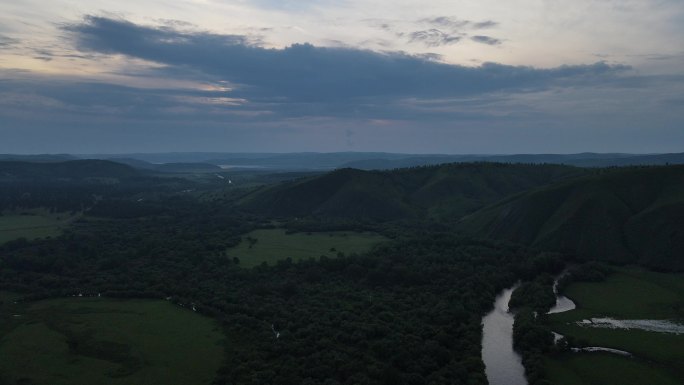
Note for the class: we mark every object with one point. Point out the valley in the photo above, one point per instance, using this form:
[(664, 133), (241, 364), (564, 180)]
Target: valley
[(351, 276)]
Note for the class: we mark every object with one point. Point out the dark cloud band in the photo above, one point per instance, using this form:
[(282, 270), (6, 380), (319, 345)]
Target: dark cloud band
[(434, 37), (306, 73), (485, 40)]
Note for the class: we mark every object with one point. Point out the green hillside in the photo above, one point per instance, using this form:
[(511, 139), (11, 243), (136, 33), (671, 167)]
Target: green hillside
[(443, 191), (622, 215)]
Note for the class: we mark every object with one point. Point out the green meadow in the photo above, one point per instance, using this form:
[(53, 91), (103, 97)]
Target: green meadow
[(630, 293), (272, 245), (94, 341), (604, 369), (32, 225)]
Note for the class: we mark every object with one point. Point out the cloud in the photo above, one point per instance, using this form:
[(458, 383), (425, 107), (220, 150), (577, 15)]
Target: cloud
[(194, 88), (443, 21), (6, 41), (100, 100), (306, 73), (445, 31), (434, 37), (458, 24), (485, 40), (484, 24)]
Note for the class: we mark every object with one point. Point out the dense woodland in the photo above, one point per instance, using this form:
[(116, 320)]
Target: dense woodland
[(407, 312)]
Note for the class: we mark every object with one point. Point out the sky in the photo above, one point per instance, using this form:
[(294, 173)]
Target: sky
[(456, 76)]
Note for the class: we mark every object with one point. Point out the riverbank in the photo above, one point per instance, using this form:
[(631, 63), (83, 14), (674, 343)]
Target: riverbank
[(627, 294)]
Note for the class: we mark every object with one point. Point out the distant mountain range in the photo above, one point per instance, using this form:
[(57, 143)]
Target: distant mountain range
[(581, 160), (37, 158), (183, 162), (69, 170)]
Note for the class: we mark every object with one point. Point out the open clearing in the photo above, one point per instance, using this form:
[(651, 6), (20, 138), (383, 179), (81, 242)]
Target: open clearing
[(14, 226), (632, 293), (629, 293), (104, 341), (275, 244)]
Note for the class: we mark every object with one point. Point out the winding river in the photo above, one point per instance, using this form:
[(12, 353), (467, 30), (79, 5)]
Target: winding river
[(563, 303), (503, 365)]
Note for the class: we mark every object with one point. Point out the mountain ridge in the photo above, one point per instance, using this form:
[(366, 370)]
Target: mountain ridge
[(449, 190), (624, 215)]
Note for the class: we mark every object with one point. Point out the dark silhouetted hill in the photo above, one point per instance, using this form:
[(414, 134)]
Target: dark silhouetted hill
[(135, 163), (587, 159), (76, 169), (444, 191), (37, 158), (622, 215)]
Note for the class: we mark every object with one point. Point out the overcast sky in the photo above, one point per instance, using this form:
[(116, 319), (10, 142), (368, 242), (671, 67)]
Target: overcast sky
[(456, 76)]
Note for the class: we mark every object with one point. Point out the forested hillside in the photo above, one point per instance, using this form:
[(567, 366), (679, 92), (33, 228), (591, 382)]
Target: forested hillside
[(631, 215), (446, 191)]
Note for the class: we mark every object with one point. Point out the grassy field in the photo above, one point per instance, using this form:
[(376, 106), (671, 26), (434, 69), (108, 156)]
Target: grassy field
[(103, 341), (630, 293), (274, 244), (36, 225), (604, 369)]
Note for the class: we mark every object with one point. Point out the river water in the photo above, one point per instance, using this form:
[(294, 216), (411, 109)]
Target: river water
[(563, 303), (503, 366)]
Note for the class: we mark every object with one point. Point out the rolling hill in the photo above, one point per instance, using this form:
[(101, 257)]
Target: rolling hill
[(444, 191), (587, 159), (75, 169), (633, 215), (173, 168), (37, 157)]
